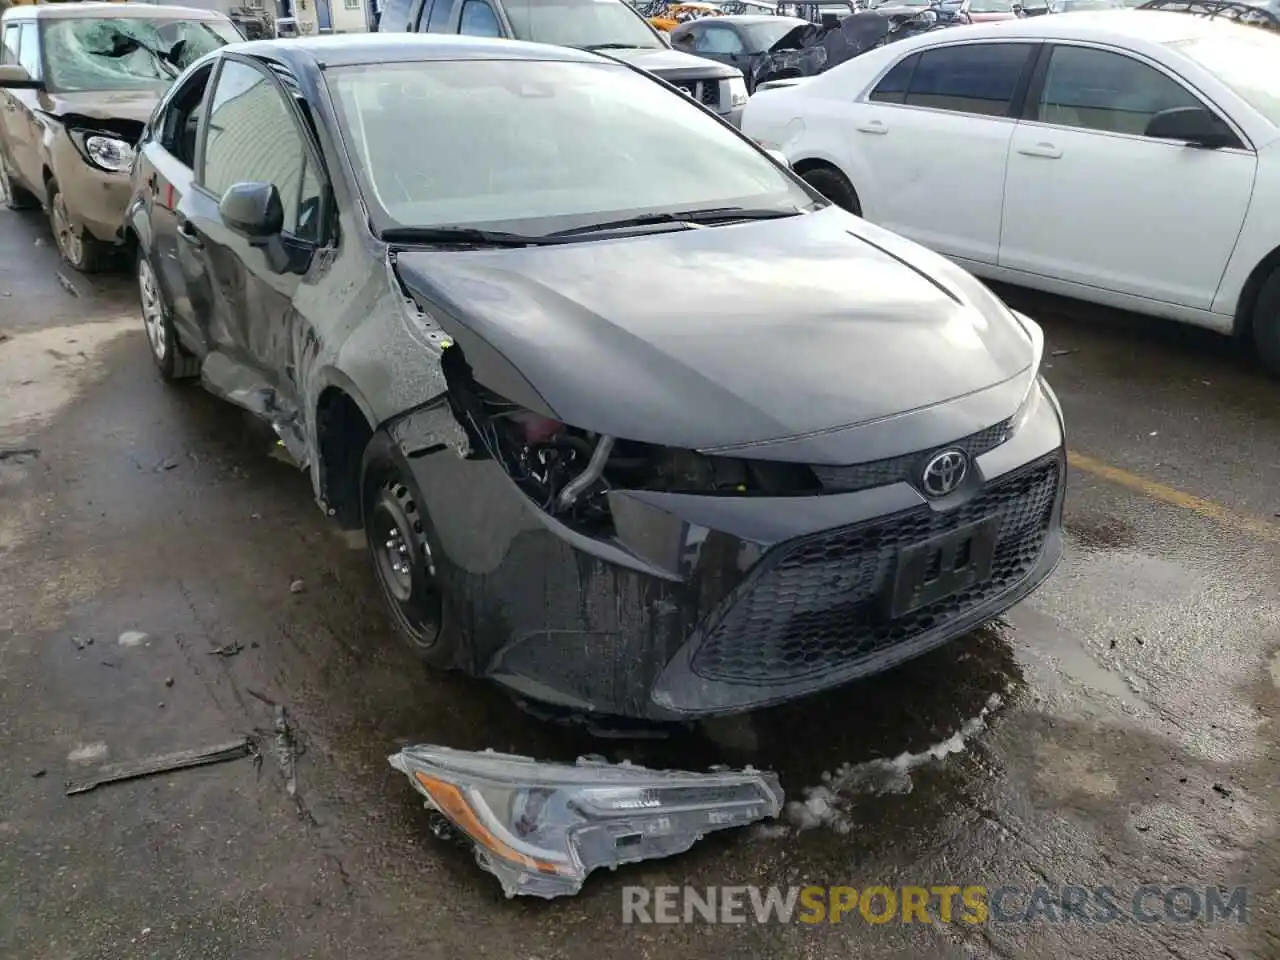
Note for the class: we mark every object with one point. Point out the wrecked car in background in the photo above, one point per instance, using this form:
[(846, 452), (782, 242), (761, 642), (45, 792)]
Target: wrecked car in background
[(613, 498), (1253, 13), (667, 16), (611, 26), (813, 47), (78, 82), (738, 41)]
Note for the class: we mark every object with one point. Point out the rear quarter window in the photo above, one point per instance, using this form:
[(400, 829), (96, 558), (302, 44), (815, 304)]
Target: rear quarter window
[(978, 78)]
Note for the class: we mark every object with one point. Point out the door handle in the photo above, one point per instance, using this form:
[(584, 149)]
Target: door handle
[(188, 233), (1046, 150), (875, 127), (151, 183)]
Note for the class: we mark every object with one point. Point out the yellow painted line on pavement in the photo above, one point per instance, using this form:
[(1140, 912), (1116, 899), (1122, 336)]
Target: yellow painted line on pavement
[(1253, 526)]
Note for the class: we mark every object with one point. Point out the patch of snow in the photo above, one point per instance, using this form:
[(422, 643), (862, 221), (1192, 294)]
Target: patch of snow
[(87, 753), (133, 638), (824, 805)]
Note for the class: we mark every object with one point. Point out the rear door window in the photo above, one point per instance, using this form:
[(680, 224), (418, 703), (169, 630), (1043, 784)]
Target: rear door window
[(978, 78)]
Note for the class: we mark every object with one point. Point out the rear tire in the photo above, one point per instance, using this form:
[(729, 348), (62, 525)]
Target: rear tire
[(171, 357), (403, 546), (835, 186), (86, 253), (1266, 324), (15, 197)]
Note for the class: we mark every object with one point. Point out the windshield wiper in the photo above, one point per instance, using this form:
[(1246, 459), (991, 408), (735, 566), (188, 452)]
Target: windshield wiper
[(704, 216), (459, 235), (615, 46)]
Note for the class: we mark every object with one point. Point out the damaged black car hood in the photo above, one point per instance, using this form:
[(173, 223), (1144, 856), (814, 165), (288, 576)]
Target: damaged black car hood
[(728, 335)]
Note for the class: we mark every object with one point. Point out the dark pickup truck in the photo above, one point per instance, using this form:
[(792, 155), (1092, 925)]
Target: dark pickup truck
[(608, 26)]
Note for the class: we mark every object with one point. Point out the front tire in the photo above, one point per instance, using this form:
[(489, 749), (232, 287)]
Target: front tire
[(86, 253), (172, 359), (1266, 324), (835, 186), (403, 546)]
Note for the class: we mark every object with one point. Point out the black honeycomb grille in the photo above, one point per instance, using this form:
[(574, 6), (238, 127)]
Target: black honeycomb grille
[(879, 473), (818, 603)]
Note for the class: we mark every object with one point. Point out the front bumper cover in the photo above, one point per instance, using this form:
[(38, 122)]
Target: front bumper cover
[(96, 199), (663, 622)]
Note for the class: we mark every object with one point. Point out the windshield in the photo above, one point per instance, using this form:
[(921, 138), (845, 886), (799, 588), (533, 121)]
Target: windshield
[(905, 3), (533, 146), (130, 53), (1245, 60), (991, 6), (581, 23), (765, 35)]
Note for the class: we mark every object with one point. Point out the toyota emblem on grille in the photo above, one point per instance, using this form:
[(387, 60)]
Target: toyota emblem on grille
[(944, 473)]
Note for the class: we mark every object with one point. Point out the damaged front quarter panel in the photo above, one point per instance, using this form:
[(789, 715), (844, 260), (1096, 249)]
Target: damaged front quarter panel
[(540, 828)]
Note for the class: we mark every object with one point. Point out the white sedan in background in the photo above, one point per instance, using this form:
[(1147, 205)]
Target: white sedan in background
[(1128, 157)]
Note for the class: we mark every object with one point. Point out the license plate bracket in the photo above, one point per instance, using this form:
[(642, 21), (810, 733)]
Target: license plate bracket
[(944, 565)]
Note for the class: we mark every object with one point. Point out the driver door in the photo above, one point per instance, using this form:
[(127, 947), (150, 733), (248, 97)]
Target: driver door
[(1090, 199), (254, 133)]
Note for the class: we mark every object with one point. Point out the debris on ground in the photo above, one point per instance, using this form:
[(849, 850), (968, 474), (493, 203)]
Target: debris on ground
[(1220, 790), (541, 828), (81, 642), (21, 456), (826, 805), (165, 763), (1064, 353), (168, 681), (285, 750), (297, 586), (227, 649), (67, 285), (133, 638), (38, 774)]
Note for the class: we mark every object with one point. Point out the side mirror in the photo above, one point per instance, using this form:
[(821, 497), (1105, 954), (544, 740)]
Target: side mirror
[(253, 210), (15, 77), (779, 157), (1196, 126)]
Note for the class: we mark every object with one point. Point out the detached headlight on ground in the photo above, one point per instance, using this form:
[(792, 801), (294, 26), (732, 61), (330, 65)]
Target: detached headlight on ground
[(109, 153), (540, 828)]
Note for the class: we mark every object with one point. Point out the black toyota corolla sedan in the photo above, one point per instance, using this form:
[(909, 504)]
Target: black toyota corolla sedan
[(635, 422)]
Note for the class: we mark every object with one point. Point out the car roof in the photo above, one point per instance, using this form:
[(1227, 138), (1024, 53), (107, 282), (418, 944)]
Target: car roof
[(114, 11), (350, 49), (1151, 26)]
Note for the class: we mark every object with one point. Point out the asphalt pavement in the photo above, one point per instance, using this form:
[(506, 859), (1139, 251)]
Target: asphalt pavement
[(1121, 728)]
